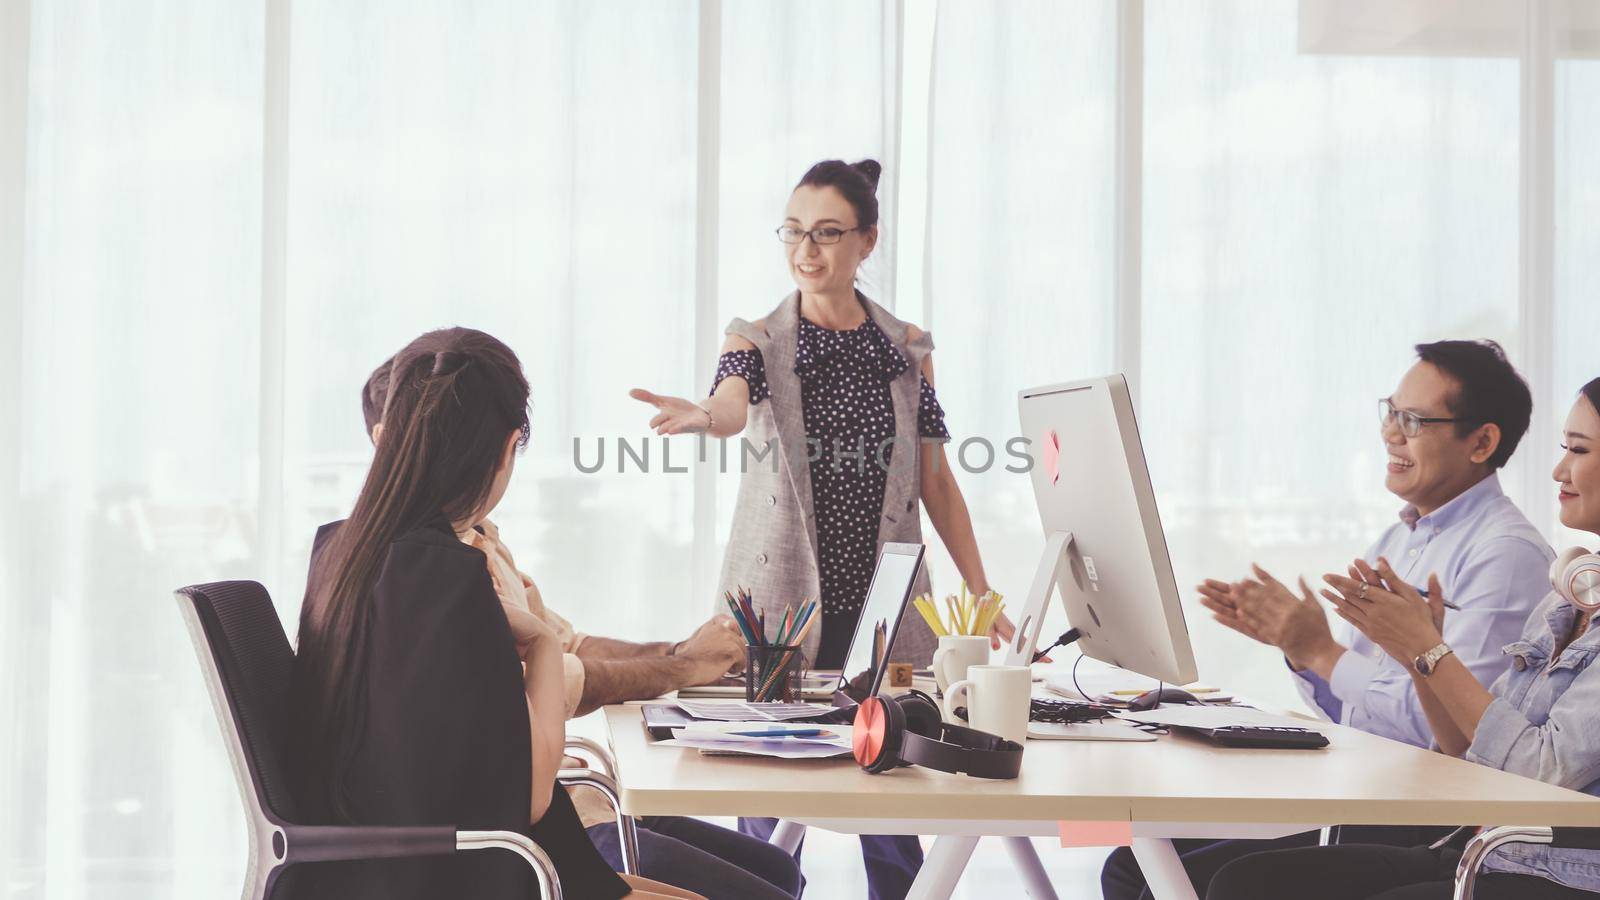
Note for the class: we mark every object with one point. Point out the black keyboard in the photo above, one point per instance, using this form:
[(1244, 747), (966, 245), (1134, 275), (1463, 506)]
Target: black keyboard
[(1265, 737), (1065, 712)]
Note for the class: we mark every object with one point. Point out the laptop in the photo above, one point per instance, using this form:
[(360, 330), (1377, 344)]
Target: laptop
[(888, 597)]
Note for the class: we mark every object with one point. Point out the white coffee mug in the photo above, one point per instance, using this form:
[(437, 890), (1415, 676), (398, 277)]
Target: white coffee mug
[(956, 654), (996, 698)]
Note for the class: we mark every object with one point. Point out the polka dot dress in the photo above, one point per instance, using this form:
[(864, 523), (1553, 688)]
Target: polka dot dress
[(844, 392)]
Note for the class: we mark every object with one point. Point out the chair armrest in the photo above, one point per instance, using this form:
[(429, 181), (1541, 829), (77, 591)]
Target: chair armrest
[(543, 869), (332, 843), (1486, 842), (601, 755), (627, 830)]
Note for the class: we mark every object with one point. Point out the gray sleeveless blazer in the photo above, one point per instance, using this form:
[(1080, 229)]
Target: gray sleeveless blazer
[(773, 547)]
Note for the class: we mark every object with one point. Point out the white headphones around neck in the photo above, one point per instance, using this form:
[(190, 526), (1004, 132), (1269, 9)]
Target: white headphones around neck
[(1576, 576)]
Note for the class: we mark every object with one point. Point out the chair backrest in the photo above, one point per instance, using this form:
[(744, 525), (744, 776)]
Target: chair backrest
[(247, 663)]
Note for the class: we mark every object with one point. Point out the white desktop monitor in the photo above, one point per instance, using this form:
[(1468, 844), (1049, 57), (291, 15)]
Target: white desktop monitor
[(1104, 547)]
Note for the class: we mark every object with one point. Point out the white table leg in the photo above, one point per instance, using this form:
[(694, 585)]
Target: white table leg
[(942, 869), (787, 835), (1163, 870), (1027, 862)]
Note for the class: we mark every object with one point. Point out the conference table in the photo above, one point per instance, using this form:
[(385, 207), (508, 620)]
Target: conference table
[(1179, 786)]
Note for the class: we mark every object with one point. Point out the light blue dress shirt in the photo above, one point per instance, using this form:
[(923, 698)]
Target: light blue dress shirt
[(1491, 562)]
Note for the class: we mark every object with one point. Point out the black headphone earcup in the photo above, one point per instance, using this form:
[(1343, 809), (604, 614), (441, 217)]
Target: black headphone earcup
[(921, 713), (894, 735)]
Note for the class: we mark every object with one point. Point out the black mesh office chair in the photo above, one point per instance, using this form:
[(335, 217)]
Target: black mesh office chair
[(247, 663), (1490, 838)]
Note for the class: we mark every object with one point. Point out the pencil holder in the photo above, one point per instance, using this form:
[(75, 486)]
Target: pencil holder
[(772, 672)]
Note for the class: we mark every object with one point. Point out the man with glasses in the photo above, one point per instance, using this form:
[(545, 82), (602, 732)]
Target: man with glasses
[(1452, 423)]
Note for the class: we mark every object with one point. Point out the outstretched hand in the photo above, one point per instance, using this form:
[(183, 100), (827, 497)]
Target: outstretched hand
[(674, 415)]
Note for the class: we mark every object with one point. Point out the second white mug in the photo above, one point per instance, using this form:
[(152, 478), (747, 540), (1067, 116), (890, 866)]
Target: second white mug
[(996, 698)]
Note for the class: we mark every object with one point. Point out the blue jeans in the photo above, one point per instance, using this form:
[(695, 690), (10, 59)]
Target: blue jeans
[(715, 862), (892, 860)]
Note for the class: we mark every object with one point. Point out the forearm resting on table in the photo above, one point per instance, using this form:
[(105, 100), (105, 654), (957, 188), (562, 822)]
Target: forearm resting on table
[(543, 685), (607, 681), (612, 648)]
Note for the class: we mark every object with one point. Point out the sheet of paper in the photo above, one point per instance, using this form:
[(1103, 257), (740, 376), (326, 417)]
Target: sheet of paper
[(743, 732), (1104, 684), (740, 711), (786, 748), (1212, 717)]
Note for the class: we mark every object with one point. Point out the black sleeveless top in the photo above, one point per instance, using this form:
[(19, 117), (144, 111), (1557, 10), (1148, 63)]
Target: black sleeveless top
[(445, 739)]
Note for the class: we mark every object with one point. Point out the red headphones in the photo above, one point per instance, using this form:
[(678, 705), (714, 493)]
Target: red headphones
[(909, 731)]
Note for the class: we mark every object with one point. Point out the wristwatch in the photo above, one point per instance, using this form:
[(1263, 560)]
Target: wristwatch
[(1427, 662)]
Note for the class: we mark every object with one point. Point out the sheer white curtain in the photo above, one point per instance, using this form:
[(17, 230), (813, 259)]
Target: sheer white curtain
[(135, 444)]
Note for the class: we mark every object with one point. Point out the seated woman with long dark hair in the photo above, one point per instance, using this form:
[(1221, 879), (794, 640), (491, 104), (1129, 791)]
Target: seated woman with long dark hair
[(415, 700)]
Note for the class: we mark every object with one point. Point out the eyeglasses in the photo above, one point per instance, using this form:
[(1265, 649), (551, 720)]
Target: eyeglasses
[(1410, 423), (827, 234)]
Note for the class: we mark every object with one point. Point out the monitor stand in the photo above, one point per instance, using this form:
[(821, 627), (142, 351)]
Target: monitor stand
[(1052, 563)]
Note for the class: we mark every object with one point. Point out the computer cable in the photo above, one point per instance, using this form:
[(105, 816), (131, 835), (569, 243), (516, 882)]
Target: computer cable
[(1067, 637)]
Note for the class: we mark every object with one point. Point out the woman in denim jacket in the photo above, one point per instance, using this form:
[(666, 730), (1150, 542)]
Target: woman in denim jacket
[(1540, 718)]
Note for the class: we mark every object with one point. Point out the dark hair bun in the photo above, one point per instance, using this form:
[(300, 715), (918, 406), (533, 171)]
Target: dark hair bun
[(870, 169), (857, 182)]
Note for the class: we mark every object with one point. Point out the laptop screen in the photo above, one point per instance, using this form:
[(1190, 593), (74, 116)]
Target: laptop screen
[(875, 631)]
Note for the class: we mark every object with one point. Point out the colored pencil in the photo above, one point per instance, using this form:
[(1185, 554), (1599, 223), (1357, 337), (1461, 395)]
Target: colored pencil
[(738, 618), (930, 616)]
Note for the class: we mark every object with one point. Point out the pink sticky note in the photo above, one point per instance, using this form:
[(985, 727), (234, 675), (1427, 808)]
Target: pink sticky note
[(1096, 834), (1052, 456)]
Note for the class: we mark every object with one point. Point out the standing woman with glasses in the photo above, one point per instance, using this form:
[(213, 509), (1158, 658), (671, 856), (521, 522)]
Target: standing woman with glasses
[(842, 392)]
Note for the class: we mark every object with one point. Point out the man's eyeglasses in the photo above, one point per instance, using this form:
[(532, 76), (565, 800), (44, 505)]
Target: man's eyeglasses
[(827, 234), (1410, 423)]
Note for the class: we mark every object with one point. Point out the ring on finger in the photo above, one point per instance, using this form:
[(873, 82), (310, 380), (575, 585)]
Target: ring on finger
[(1363, 594)]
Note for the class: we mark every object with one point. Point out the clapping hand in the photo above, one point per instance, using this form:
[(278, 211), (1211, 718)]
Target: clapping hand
[(1390, 612), (1265, 609)]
